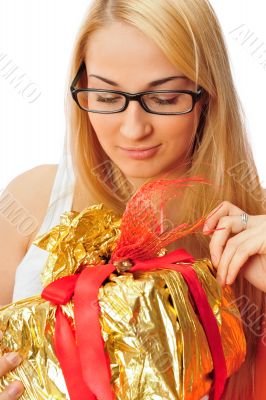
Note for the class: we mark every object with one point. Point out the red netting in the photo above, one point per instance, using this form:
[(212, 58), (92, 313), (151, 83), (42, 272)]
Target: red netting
[(142, 231)]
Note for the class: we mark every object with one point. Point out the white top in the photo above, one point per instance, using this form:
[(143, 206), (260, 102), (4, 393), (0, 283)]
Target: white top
[(27, 279)]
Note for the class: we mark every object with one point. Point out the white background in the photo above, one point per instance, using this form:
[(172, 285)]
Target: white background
[(37, 36)]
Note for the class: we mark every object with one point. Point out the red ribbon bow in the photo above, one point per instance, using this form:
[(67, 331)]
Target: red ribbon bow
[(82, 357)]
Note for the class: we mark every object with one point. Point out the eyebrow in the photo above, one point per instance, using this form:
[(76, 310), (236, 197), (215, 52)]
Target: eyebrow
[(158, 82)]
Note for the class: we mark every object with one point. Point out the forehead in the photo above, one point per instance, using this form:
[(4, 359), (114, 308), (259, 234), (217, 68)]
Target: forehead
[(121, 50)]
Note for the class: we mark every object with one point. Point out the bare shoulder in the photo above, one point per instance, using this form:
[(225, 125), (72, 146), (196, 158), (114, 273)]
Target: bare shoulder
[(31, 192), (23, 205), (33, 176)]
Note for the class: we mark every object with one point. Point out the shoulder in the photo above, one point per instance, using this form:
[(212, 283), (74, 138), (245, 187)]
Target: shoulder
[(23, 205), (32, 175), (32, 187), (27, 195)]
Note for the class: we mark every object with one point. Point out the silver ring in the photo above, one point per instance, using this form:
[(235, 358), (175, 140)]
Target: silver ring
[(244, 218)]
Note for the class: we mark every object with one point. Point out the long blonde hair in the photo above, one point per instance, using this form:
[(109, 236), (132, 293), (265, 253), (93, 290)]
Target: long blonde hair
[(190, 36)]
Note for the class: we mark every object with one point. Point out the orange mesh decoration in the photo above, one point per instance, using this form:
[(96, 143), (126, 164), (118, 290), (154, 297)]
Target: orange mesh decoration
[(141, 227)]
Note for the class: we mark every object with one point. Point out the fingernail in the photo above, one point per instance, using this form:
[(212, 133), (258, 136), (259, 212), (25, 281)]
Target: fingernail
[(13, 358), (228, 280), (219, 280), (205, 228), (214, 259), (14, 389), (1, 335)]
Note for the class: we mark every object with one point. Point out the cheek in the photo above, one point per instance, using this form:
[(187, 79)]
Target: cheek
[(181, 129), (102, 128)]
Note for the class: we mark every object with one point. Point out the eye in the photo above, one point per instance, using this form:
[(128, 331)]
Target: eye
[(167, 100), (108, 99)]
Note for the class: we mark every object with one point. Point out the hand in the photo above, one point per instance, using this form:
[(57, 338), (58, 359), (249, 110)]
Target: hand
[(8, 362), (234, 248)]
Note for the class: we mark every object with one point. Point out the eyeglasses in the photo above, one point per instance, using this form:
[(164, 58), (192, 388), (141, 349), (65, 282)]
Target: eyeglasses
[(163, 102)]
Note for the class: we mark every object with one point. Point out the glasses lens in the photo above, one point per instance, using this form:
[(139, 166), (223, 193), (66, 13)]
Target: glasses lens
[(101, 101), (168, 102)]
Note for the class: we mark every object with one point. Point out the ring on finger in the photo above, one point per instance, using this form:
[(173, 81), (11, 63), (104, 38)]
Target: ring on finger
[(244, 219)]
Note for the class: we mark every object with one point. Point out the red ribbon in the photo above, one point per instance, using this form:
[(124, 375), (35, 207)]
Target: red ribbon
[(81, 354)]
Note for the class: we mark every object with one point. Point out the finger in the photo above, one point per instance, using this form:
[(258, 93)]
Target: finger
[(254, 270), (224, 209), (13, 391), (230, 224), (251, 246), (8, 362), (236, 252)]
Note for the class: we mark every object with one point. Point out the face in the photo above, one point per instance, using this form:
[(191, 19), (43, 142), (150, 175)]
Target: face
[(127, 57)]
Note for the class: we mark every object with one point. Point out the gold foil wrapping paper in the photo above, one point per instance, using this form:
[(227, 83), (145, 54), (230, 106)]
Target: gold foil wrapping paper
[(28, 327), (86, 237), (156, 344)]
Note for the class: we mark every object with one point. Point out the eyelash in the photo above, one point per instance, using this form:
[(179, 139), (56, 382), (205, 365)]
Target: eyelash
[(160, 101)]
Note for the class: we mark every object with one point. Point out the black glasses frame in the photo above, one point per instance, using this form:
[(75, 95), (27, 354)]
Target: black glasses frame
[(130, 96)]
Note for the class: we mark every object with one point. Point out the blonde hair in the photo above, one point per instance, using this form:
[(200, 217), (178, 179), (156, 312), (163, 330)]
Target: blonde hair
[(190, 36)]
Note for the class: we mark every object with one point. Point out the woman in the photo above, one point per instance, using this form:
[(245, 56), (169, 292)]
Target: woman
[(178, 44)]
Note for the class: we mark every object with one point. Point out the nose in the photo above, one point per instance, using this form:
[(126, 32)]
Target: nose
[(136, 122)]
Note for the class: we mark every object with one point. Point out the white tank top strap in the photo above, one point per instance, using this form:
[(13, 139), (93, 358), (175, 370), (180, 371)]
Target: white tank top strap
[(61, 196), (27, 278)]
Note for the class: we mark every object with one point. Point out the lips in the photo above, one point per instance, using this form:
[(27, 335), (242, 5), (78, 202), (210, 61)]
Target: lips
[(140, 154), (139, 148)]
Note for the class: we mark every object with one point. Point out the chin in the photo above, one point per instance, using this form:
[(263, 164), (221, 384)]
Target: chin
[(142, 173)]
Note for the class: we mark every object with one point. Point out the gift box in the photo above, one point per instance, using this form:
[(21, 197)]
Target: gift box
[(121, 317)]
